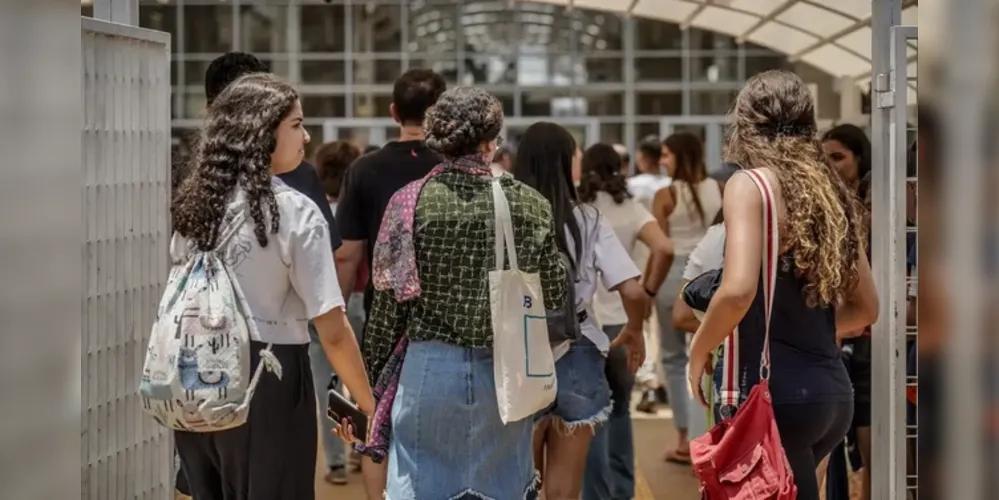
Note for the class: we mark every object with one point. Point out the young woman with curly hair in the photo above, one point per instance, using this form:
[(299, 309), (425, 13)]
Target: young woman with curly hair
[(824, 282), (280, 256)]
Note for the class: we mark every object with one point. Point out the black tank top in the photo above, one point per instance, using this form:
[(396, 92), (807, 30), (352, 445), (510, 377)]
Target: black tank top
[(806, 362)]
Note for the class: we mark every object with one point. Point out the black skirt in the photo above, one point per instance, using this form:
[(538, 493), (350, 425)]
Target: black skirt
[(273, 455)]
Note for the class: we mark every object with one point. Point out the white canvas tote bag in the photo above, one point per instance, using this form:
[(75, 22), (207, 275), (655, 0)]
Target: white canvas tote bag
[(523, 364)]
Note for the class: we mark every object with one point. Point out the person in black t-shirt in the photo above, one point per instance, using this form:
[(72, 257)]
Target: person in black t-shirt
[(226, 69), (373, 179), (367, 187)]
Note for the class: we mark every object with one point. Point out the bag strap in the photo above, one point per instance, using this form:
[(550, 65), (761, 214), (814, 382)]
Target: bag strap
[(503, 226), (729, 394), (769, 256)]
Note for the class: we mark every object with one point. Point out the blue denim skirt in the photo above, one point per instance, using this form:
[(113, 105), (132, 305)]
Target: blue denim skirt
[(448, 442)]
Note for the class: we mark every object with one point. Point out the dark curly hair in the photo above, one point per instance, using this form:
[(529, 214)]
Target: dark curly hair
[(332, 160), (234, 149), (602, 172), (462, 118), (773, 126)]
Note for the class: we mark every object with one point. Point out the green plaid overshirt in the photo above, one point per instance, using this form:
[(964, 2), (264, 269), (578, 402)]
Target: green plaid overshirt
[(454, 243)]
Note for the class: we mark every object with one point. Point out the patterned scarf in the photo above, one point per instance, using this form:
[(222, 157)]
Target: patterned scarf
[(394, 268)]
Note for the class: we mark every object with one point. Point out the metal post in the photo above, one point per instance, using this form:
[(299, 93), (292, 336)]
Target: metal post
[(117, 11), (628, 28), (888, 451)]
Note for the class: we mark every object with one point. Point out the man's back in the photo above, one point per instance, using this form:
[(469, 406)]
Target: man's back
[(369, 185)]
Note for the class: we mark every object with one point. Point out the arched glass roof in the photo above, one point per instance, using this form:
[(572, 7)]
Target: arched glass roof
[(831, 35)]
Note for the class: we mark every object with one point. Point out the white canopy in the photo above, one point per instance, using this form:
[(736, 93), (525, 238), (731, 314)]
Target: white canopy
[(831, 35)]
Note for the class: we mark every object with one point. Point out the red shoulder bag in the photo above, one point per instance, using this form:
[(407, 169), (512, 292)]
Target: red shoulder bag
[(742, 458)]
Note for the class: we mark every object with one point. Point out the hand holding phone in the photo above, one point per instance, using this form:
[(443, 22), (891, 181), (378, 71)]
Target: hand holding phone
[(352, 423)]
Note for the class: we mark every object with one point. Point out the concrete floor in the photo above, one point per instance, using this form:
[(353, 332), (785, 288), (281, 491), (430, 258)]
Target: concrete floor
[(655, 479)]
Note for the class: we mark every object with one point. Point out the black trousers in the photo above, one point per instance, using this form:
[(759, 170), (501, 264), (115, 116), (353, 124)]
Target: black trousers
[(273, 455), (809, 432)]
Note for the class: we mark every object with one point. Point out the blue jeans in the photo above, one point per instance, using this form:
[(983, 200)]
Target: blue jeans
[(447, 437), (583, 394), (322, 375), (673, 346), (610, 462)]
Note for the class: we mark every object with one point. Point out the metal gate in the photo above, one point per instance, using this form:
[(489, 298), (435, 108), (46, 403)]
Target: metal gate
[(893, 476), (126, 171)]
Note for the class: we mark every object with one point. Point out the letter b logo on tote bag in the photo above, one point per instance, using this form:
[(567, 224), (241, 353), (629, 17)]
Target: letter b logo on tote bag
[(523, 364)]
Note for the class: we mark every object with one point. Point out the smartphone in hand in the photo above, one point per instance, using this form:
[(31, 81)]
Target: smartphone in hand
[(339, 408)]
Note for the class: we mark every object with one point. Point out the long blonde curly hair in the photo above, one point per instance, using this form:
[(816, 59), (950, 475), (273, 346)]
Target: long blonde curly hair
[(773, 126)]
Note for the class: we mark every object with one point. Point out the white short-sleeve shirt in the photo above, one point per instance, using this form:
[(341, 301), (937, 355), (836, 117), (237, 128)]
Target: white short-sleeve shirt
[(627, 220), (291, 280), (604, 262), (708, 255)]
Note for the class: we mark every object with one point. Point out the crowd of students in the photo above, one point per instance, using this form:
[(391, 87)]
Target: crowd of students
[(347, 259)]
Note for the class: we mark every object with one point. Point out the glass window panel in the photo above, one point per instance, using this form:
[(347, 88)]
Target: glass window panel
[(761, 63), (540, 68), (174, 73), (602, 103), (645, 131), (657, 35), (716, 67), (697, 130), (208, 28), (538, 102), (600, 31), (263, 28), (612, 133), (709, 40), (323, 28), (445, 63), (507, 100), (316, 135), (433, 28), (324, 106), (376, 71), (194, 71), (490, 69), (367, 105), (377, 28), (489, 27), (160, 18), (601, 70), (659, 103), (323, 72), (658, 69), (194, 105), (711, 102), (548, 28), (86, 10)]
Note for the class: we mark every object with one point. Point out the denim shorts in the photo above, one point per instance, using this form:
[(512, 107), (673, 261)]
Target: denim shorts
[(583, 396), (448, 441)]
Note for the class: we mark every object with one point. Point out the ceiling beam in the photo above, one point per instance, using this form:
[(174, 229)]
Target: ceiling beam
[(764, 20)]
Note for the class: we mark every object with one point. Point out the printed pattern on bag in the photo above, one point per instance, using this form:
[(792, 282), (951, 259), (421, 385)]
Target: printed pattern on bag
[(196, 375)]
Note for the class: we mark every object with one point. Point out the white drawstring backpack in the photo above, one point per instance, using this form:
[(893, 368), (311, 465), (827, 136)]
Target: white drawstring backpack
[(196, 376)]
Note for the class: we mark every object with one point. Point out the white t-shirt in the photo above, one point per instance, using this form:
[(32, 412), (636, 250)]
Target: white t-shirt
[(708, 255), (290, 281), (604, 261), (644, 187), (627, 220)]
